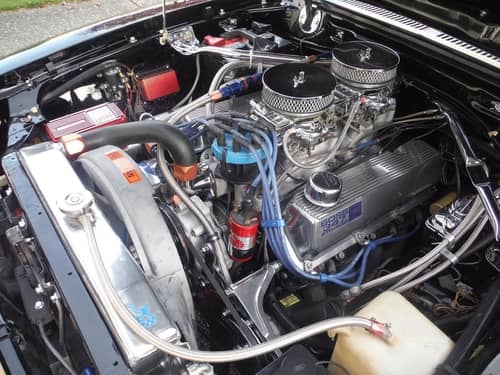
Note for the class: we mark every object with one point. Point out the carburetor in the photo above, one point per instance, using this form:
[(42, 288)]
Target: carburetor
[(369, 70), (316, 102), (298, 95)]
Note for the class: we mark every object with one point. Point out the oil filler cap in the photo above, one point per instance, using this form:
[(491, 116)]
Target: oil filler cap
[(323, 189)]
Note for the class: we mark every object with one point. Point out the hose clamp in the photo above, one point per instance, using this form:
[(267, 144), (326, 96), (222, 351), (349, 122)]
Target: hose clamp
[(450, 238), (452, 258)]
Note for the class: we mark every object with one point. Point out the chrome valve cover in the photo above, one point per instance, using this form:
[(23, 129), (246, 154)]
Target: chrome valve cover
[(370, 190)]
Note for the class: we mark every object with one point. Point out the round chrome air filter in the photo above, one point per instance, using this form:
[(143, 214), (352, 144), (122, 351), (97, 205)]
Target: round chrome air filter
[(298, 89), (364, 65)]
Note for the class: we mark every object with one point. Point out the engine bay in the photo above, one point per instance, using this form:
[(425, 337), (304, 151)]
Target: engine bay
[(248, 182)]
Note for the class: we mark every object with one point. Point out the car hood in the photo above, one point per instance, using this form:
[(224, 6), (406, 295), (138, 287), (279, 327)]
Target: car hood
[(475, 21)]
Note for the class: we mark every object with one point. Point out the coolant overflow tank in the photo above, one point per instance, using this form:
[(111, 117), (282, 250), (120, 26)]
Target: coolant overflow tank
[(416, 346)]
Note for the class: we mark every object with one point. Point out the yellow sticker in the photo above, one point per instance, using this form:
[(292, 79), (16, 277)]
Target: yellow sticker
[(289, 300)]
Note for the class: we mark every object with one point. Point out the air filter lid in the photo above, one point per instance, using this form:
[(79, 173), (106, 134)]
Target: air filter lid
[(364, 64), (298, 89)]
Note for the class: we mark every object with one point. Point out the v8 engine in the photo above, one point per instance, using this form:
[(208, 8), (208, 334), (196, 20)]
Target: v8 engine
[(221, 191)]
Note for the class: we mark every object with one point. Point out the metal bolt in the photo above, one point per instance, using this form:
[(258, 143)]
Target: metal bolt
[(74, 198), (340, 256), (132, 40), (39, 305), (308, 265), (22, 223), (361, 238), (27, 119), (222, 12), (39, 289)]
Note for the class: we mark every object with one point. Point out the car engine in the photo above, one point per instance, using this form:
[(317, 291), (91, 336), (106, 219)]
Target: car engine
[(234, 187)]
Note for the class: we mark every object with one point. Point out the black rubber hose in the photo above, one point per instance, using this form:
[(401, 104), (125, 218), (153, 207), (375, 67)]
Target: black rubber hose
[(471, 336), (170, 138), (479, 245), (286, 323), (77, 80)]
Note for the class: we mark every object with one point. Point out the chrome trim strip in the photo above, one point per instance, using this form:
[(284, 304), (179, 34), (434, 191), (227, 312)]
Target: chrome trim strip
[(417, 28)]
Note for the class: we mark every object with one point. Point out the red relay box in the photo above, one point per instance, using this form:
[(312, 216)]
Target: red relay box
[(95, 117), (157, 83)]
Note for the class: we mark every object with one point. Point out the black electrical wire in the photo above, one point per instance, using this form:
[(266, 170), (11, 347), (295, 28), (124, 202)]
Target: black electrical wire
[(471, 337), (79, 79)]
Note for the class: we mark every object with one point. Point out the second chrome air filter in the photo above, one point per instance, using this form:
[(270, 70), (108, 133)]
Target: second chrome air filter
[(365, 65), (297, 89)]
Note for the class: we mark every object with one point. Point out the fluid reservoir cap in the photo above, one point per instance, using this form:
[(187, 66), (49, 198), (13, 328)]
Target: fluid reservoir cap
[(323, 189)]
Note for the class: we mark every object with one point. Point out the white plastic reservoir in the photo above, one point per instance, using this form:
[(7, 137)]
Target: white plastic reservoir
[(416, 346)]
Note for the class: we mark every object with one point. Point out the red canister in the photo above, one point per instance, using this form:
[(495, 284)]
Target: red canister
[(244, 224)]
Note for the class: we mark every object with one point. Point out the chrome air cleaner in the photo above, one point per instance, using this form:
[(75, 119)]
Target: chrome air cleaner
[(297, 89), (364, 65)]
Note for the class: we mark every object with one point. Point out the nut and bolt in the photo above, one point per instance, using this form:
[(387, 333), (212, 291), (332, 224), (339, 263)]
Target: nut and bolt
[(340, 256), (39, 305)]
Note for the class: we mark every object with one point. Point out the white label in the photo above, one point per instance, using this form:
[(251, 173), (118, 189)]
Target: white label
[(101, 115)]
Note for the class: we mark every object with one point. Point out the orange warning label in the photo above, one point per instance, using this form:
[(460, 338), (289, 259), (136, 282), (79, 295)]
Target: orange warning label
[(131, 174)]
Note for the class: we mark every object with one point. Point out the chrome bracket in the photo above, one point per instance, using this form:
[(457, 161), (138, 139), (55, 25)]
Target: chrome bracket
[(250, 293)]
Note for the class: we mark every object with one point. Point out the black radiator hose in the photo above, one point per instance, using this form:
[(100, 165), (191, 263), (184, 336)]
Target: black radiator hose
[(81, 78), (474, 331), (170, 138)]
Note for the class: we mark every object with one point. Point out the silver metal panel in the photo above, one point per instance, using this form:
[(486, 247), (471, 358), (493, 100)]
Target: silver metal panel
[(417, 28), (369, 190), (54, 178)]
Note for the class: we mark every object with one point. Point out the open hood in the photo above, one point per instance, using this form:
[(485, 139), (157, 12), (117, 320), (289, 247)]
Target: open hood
[(477, 21)]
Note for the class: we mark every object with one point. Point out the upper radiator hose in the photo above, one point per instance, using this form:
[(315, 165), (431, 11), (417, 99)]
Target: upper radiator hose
[(169, 137)]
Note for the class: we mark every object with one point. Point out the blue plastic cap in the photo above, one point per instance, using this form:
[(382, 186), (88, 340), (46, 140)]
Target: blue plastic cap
[(242, 157)]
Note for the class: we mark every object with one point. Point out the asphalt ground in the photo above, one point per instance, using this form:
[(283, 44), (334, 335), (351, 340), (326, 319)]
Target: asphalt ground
[(24, 28)]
